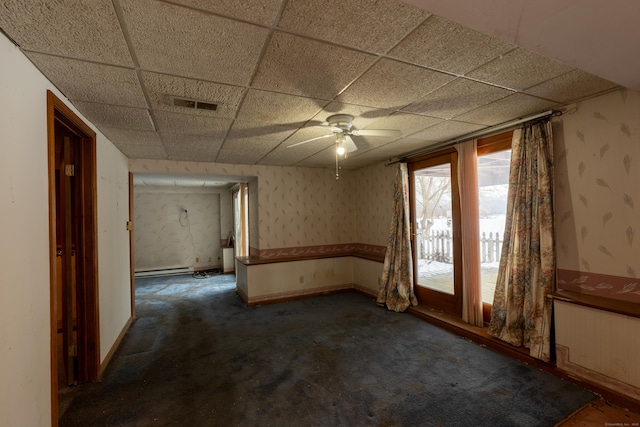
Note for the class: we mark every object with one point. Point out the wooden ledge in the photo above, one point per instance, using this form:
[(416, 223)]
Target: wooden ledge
[(253, 260), (611, 305)]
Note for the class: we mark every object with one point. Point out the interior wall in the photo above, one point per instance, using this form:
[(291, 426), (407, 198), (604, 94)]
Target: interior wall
[(291, 207), (597, 150), (114, 276), (168, 237), (374, 203), (25, 389), (24, 264)]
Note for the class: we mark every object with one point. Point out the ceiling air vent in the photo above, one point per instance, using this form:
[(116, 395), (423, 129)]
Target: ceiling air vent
[(192, 103)]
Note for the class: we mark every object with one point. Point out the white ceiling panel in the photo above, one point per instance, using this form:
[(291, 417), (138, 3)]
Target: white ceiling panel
[(115, 116), (309, 68), (87, 30), (444, 45), (510, 108), (162, 88), (519, 69), (277, 69), (372, 26), (258, 11), (457, 97), (392, 84), (92, 82), (186, 42)]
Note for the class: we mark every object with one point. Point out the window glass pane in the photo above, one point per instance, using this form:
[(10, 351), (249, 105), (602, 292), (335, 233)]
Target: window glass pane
[(493, 183), (434, 229)]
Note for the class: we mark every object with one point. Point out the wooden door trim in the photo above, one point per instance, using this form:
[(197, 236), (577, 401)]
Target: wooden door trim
[(132, 264), (89, 343), (439, 299)]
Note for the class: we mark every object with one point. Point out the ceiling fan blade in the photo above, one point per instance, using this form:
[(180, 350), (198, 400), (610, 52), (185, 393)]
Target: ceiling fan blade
[(349, 145), (309, 140), (376, 132)]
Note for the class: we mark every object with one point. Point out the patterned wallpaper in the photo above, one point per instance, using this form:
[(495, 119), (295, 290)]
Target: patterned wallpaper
[(597, 163), (296, 207), (168, 237), (374, 204)]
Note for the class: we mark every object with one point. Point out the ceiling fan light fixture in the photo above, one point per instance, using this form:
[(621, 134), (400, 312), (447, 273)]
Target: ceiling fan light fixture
[(340, 144)]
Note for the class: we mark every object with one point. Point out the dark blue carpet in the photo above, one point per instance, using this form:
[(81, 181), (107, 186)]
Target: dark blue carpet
[(196, 356)]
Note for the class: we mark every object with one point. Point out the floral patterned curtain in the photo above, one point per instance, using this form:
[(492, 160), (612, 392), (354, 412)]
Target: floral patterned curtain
[(396, 283), (521, 313)]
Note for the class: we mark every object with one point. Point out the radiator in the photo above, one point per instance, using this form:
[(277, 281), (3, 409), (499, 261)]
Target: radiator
[(165, 272)]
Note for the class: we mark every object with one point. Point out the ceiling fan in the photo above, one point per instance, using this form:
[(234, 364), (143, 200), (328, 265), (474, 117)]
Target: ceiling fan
[(341, 126)]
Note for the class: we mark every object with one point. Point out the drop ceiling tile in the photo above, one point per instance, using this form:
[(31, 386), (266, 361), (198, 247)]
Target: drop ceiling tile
[(191, 124), (570, 87), (325, 158), (306, 133), (374, 27), (406, 123), (74, 28), (204, 143), (246, 151), (104, 115), (171, 39), (136, 143), (457, 97), (446, 46), (88, 81), (506, 109), (377, 89), (362, 116), (262, 130), (445, 131), (162, 87), (196, 148), (519, 69), (278, 108), (132, 137), (306, 67), (388, 151), (262, 12), (135, 151), (282, 155)]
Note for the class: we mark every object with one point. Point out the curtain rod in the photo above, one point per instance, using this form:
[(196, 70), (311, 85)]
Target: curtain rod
[(476, 134)]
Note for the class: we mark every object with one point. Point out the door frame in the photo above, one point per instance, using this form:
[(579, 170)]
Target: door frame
[(87, 279), (449, 303)]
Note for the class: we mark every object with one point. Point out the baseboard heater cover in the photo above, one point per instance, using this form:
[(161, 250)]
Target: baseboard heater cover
[(165, 272)]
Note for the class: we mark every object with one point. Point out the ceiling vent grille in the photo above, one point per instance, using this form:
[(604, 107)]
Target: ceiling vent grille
[(192, 103)]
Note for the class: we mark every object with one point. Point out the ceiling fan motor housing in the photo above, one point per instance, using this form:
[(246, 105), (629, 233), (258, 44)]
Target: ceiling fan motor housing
[(341, 122)]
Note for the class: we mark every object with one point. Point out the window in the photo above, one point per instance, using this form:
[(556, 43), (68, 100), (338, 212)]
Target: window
[(435, 219)]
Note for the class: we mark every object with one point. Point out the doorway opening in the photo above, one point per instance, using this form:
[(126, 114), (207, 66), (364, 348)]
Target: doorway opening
[(75, 349)]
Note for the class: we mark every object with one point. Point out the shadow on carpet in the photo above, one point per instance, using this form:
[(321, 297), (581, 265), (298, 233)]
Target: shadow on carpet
[(197, 356)]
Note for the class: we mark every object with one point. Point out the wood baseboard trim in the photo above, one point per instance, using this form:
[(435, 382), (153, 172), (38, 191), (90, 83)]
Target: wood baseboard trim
[(481, 337), (294, 295), (114, 347), (564, 363)]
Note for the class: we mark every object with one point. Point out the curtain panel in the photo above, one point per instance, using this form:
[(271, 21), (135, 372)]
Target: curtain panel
[(521, 313), (470, 232), (396, 283)]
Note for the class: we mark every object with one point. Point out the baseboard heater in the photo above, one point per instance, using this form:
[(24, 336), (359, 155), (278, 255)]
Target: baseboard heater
[(165, 272)]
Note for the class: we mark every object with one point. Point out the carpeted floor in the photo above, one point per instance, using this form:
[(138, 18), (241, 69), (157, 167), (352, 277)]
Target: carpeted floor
[(197, 356)]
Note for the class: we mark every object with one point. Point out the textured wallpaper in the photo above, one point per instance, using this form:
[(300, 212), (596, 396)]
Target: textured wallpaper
[(374, 203), (597, 163), (296, 207), (168, 237)]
